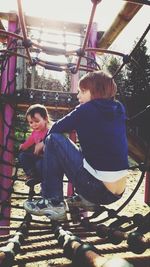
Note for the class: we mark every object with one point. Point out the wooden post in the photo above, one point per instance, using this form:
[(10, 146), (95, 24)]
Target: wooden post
[(21, 67), (33, 76)]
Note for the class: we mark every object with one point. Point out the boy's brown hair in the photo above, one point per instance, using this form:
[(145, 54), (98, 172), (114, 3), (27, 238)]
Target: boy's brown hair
[(38, 108), (100, 84)]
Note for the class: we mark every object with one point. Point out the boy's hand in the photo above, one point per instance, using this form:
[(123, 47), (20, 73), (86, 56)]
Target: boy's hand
[(39, 148)]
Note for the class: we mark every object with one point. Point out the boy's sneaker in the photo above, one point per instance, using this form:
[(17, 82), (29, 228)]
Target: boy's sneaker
[(46, 207), (81, 202)]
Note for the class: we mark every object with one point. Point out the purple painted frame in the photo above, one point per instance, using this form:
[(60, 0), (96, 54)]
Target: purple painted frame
[(6, 126)]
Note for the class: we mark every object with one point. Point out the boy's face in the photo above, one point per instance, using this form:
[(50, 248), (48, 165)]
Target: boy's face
[(37, 123), (84, 96)]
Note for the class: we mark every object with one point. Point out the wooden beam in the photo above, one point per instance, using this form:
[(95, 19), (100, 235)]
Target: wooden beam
[(2, 38), (47, 97), (8, 16), (2, 26), (128, 11), (46, 23), (55, 25), (139, 2), (11, 16), (137, 148)]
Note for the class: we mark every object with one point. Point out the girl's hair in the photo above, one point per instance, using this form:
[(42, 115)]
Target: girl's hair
[(37, 108), (100, 84)]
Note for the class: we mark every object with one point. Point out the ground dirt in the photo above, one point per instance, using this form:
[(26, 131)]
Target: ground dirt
[(41, 248)]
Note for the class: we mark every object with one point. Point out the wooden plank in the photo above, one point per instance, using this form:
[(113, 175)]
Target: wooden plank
[(2, 26), (46, 97), (55, 25), (46, 23), (139, 2), (128, 11), (8, 16), (137, 148), (2, 38)]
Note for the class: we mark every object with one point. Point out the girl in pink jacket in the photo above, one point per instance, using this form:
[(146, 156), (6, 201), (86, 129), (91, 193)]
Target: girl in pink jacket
[(39, 121)]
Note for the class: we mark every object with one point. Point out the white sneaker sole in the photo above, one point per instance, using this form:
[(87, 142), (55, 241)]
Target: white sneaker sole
[(46, 212)]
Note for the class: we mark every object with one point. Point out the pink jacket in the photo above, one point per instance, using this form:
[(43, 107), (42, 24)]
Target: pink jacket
[(34, 138)]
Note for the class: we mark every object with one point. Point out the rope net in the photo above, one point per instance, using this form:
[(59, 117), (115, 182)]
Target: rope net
[(85, 239)]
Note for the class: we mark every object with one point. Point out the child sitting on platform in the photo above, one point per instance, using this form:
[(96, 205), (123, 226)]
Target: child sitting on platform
[(39, 121)]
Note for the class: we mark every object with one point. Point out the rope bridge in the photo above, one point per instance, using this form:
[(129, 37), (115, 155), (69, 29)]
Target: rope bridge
[(91, 241)]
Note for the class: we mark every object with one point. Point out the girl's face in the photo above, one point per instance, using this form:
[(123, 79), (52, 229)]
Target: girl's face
[(37, 123), (84, 96)]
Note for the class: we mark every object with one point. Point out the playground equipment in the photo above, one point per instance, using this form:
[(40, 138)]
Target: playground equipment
[(15, 98)]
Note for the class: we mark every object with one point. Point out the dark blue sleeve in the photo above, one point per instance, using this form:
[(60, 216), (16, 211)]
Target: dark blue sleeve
[(67, 123)]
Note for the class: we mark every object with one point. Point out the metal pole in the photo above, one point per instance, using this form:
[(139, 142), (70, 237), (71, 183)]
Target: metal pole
[(147, 189), (8, 87)]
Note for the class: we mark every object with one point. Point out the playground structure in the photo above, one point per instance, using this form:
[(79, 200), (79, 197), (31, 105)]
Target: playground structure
[(15, 98)]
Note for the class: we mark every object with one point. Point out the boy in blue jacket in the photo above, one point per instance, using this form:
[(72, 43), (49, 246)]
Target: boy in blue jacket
[(98, 168)]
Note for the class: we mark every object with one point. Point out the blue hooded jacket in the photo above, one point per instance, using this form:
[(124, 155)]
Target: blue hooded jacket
[(101, 128)]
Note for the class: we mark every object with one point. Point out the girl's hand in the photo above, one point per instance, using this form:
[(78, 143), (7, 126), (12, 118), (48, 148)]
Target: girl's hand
[(39, 148), (20, 147)]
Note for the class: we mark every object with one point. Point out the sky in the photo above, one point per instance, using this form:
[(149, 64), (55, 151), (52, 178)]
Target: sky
[(80, 10)]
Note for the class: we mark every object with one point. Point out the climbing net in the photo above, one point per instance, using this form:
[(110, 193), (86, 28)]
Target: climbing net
[(83, 239)]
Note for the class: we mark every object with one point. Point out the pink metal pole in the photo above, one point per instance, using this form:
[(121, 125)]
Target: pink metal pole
[(70, 189), (92, 40), (74, 82), (147, 188), (72, 135), (8, 75), (95, 3)]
